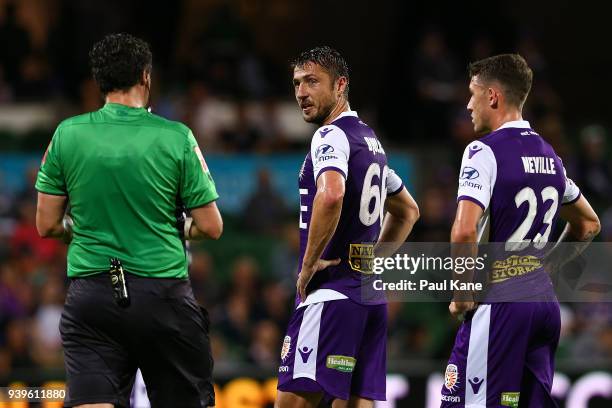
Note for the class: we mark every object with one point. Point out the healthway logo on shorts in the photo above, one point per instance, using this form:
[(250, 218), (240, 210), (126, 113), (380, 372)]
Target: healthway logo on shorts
[(341, 363), (451, 377), (510, 399), (286, 349), (305, 353)]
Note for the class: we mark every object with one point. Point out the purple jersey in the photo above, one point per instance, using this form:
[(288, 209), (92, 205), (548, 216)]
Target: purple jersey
[(520, 183), (350, 147)]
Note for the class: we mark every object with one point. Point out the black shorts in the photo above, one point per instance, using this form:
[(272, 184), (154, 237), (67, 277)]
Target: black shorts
[(164, 332)]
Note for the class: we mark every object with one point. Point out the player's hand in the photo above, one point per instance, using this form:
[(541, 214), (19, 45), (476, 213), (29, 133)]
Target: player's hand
[(459, 309), (307, 272)]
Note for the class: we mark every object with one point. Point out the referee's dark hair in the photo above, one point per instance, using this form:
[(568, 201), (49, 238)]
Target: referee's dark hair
[(328, 58), (118, 61)]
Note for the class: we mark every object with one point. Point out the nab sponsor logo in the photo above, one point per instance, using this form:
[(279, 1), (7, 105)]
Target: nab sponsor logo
[(361, 258), (469, 173)]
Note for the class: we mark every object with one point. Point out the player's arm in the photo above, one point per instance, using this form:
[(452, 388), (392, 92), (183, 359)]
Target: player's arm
[(582, 226), (464, 238), (205, 223), (51, 220), (476, 180), (326, 209), (465, 226), (402, 212)]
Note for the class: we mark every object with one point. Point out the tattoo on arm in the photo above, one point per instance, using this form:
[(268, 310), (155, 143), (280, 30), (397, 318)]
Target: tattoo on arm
[(567, 248)]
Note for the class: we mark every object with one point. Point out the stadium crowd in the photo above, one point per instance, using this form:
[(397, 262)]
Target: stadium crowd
[(231, 96)]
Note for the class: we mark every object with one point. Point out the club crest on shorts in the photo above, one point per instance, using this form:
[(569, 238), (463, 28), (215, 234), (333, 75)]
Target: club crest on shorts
[(286, 349), (451, 377)]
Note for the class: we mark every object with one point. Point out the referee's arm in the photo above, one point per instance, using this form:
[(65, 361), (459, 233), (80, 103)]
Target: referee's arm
[(51, 218), (207, 223), (198, 193)]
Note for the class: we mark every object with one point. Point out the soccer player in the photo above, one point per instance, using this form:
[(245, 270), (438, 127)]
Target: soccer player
[(125, 172), (513, 184), (336, 339)]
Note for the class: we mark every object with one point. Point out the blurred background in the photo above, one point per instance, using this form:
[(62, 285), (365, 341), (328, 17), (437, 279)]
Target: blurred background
[(222, 67)]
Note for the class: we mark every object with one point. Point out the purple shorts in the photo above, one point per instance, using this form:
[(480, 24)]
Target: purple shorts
[(337, 348), (504, 353)]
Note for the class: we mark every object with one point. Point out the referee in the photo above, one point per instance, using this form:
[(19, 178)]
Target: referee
[(127, 174)]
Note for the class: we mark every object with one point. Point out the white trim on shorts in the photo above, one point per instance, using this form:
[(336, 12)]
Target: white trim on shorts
[(322, 295), (478, 356), (309, 338)]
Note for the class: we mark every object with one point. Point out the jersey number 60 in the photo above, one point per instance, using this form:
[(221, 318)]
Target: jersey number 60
[(373, 191)]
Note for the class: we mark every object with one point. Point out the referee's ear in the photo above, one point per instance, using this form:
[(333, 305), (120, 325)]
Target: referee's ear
[(146, 78)]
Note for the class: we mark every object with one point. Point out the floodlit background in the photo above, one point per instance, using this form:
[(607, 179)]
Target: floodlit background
[(221, 67)]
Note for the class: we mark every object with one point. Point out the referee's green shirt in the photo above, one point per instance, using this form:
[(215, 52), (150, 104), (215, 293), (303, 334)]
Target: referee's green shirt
[(124, 170)]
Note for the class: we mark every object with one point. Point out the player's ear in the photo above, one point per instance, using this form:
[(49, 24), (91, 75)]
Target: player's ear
[(493, 97), (342, 82)]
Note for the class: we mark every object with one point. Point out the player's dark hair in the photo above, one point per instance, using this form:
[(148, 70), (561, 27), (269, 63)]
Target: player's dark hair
[(510, 70), (118, 61), (329, 59)]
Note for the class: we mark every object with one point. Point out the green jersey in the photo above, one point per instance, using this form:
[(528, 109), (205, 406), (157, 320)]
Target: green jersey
[(126, 172)]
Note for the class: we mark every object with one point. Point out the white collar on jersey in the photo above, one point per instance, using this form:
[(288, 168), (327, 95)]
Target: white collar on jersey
[(521, 124), (347, 113)]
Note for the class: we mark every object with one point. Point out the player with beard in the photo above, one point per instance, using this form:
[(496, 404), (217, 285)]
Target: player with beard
[(349, 200)]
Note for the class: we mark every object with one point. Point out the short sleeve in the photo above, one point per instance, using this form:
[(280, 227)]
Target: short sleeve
[(197, 185), (477, 175), (50, 179), (330, 150), (572, 192), (394, 183)]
